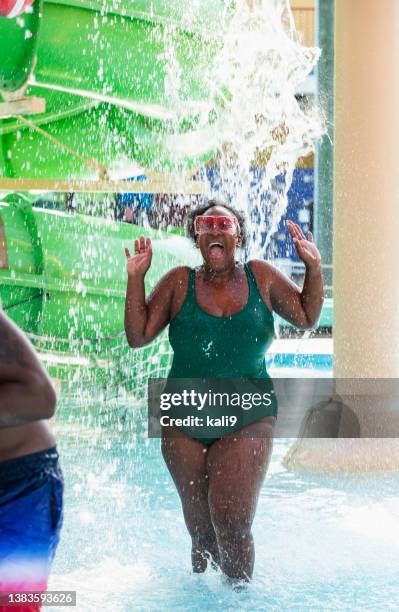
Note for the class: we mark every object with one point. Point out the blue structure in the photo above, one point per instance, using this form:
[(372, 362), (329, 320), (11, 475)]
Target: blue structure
[(135, 201), (299, 210)]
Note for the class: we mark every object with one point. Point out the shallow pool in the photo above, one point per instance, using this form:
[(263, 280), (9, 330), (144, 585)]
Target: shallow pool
[(322, 543)]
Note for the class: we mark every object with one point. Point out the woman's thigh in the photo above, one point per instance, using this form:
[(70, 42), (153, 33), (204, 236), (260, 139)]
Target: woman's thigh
[(186, 462), (236, 467)]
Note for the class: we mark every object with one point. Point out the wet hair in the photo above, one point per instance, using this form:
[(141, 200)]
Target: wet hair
[(202, 209)]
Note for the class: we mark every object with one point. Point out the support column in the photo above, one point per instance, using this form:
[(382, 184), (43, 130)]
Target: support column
[(366, 233), (323, 203), (366, 192)]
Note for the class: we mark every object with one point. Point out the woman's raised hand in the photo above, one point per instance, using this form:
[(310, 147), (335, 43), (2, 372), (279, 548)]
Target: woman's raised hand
[(138, 264), (306, 248)]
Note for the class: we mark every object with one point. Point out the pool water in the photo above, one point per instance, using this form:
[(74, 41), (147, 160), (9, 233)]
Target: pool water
[(322, 542)]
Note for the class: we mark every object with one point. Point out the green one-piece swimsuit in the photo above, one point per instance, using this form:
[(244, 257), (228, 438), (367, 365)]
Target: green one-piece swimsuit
[(230, 347)]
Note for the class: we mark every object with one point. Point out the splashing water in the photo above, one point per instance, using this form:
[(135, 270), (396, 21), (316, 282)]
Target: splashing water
[(252, 120), (333, 547), (262, 130)]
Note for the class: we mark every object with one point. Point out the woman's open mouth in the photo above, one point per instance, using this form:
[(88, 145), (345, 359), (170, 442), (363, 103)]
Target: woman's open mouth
[(215, 250)]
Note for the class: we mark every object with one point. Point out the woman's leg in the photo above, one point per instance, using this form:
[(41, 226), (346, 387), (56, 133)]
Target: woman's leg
[(236, 468), (186, 461)]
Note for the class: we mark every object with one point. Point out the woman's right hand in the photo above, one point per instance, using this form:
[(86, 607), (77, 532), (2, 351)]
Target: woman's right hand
[(139, 263)]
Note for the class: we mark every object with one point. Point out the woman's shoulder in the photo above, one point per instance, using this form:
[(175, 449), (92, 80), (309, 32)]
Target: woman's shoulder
[(179, 282), (262, 269), (176, 278), (269, 276), (263, 272), (177, 273)]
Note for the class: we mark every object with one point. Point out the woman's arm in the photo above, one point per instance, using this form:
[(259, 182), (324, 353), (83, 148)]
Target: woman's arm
[(26, 392), (145, 319), (300, 308)]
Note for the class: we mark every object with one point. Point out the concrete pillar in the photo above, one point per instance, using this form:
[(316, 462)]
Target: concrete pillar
[(366, 236), (366, 189)]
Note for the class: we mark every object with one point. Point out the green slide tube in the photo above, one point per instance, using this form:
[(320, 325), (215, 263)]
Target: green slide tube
[(122, 81), (64, 282)]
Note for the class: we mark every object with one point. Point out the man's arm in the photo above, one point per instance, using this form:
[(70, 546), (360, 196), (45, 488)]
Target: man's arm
[(26, 392)]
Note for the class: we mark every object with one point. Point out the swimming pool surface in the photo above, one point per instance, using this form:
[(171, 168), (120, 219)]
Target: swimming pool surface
[(322, 542)]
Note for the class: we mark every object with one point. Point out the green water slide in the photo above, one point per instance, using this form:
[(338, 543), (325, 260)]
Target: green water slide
[(122, 85), (122, 80), (63, 280)]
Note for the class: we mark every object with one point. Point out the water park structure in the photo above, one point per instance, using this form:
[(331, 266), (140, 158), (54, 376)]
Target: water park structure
[(67, 101)]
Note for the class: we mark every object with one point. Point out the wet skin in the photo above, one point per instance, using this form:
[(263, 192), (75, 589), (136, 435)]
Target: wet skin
[(27, 397), (219, 486)]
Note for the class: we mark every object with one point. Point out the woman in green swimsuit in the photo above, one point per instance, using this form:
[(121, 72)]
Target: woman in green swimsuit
[(220, 326)]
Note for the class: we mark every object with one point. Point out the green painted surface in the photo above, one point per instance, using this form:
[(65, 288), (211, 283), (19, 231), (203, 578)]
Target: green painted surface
[(122, 57), (65, 286), (107, 71), (18, 45), (105, 133), (77, 263)]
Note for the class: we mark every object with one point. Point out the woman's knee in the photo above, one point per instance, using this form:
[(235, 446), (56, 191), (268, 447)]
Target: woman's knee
[(230, 517), (196, 516), (203, 538), (202, 535)]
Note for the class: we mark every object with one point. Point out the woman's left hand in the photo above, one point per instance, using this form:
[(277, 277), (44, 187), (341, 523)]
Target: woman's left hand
[(306, 249)]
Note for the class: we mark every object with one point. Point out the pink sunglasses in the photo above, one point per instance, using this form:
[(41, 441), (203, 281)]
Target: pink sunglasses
[(210, 223)]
